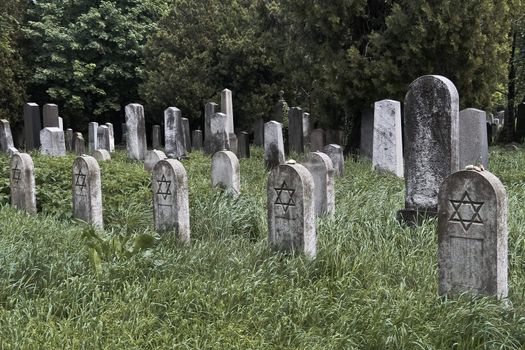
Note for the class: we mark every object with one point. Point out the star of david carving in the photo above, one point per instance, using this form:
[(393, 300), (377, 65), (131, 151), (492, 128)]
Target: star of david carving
[(16, 173), (466, 211), (80, 180), (280, 201), (167, 184)]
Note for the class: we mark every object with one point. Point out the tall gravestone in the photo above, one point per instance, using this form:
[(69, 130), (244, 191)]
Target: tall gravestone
[(219, 137), (367, 131), (69, 139), (387, 144), (306, 130), (295, 130), (155, 137), (52, 142), (273, 144), (152, 158), (291, 210), (174, 133), (32, 125), (209, 111), (227, 108), (136, 131), (111, 137), (473, 145), (335, 152), (317, 140), (258, 132), (103, 137), (243, 147), (23, 183), (6, 138), (322, 170), (92, 136), (225, 172), (87, 191), (51, 116), (196, 140), (472, 234), (170, 198), (79, 144), (431, 144), (186, 134)]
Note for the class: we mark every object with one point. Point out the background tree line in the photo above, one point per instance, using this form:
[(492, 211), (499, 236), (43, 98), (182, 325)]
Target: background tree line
[(334, 59)]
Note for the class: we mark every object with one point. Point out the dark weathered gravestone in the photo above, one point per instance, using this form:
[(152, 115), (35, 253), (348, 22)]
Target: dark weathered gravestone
[(258, 132), (32, 125), (186, 133), (472, 234), (489, 134), (52, 142), (50, 116), (473, 146), (23, 183), (87, 191), (366, 143), (225, 172), (92, 136), (219, 137), (387, 147), (520, 122), (243, 147), (317, 140), (155, 137), (295, 130), (196, 140), (69, 139), (136, 131), (209, 110), (322, 170), (273, 144), (174, 133), (280, 110), (103, 137)]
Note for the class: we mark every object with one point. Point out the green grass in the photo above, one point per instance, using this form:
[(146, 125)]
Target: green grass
[(372, 286)]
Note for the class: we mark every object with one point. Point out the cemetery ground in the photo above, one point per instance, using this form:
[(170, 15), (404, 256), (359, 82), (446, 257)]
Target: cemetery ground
[(373, 284)]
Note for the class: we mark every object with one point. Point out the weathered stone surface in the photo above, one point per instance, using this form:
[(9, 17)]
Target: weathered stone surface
[(387, 145), (234, 143), (196, 140), (473, 145), (335, 152), (6, 138), (472, 234), (306, 130), (61, 123), (32, 126), (280, 110), (152, 158), (69, 139), (23, 183), (87, 192), (366, 144), (219, 138), (273, 144), (317, 140), (79, 144), (226, 172), (291, 210), (111, 137), (322, 170), (295, 130), (92, 136), (103, 137), (258, 132), (101, 155), (50, 116), (209, 111), (174, 133), (52, 142), (227, 108), (156, 137), (136, 131), (430, 145), (170, 198), (243, 146), (186, 134)]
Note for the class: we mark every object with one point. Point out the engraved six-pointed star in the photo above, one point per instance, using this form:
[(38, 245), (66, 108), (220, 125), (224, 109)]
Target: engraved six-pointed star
[(288, 200), (165, 182), (466, 211)]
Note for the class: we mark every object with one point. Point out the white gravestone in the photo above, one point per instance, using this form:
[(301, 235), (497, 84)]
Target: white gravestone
[(225, 172), (322, 170), (52, 142), (136, 131), (387, 148)]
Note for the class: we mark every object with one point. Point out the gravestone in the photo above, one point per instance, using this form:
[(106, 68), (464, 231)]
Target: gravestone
[(295, 130), (387, 148), (317, 140), (367, 131), (61, 123), (258, 132), (430, 145), (152, 158), (6, 138), (280, 110), (473, 146), (472, 234), (234, 143), (186, 134), (52, 142), (170, 198), (87, 191), (69, 139), (209, 111), (155, 137), (322, 170), (196, 140), (111, 137), (92, 136), (306, 130), (79, 144), (243, 145), (23, 183), (227, 108), (32, 125), (520, 122), (219, 138), (225, 172), (136, 131), (101, 155), (103, 137), (173, 133), (50, 116), (273, 144), (291, 210), (335, 152)]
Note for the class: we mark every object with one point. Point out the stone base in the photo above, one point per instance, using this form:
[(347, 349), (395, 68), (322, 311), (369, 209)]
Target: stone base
[(415, 217)]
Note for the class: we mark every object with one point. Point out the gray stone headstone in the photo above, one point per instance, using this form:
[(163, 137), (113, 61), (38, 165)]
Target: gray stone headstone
[(273, 144), (387, 145), (322, 170), (87, 191), (170, 198), (258, 132), (295, 130), (243, 145), (219, 137), (234, 143), (52, 142), (69, 139), (92, 136), (472, 234), (227, 108), (367, 131), (431, 144), (79, 144), (209, 111), (136, 131), (317, 140), (291, 210), (335, 152), (32, 125), (226, 172), (473, 145), (103, 137), (152, 158), (174, 133), (156, 137), (61, 123), (101, 155), (186, 134), (50, 116), (23, 183), (306, 130), (6, 138), (196, 140), (111, 137), (280, 110)]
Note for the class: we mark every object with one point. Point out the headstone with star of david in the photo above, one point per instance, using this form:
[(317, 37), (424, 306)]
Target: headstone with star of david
[(335, 152), (225, 172), (174, 134), (273, 144), (291, 209), (472, 234), (431, 146), (152, 158), (473, 144), (170, 198), (92, 136), (136, 131), (52, 142), (23, 183), (322, 170), (87, 191), (387, 147)]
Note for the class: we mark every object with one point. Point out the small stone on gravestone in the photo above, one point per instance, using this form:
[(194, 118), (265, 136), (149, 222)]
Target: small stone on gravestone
[(136, 131), (87, 191), (52, 142), (225, 172), (170, 198), (103, 137), (196, 140), (22, 181), (387, 147), (273, 144), (79, 144), (51, 116), (306, 130), (367, 130), (317, 140), (32, 125), (6, 138), (295, 130), (93, 136), (335, 152), (472, 234), (244, 145), (322, 170), (155, 137), (258, 132), (111, 137), (69, 139), (186, 134), (174, 133), (227, 108), (219, 138), (291, 210), (473, 146), (101, 155), (152, 158), (209, 110)]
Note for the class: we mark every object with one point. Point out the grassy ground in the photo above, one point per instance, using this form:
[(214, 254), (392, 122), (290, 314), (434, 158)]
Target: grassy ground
[(372, 286)]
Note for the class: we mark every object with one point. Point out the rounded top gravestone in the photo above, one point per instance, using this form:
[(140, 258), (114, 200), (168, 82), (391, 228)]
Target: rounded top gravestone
[(23, 183), (101, 155), (225, 172), (87, 191)]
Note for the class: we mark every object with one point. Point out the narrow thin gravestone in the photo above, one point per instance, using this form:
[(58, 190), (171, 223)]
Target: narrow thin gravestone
[(93, 136), (273, 144), (335, 152), (196, 140), (136, 131), (244, 145), (227, 108), (6, 138), (103, 137), (322, 170), (170, 198), (209, 111), (225, 172), (152, 158), (52, 142), (258, 132), (306, 130), (79, 144), (219, 138), (295, 130), (472, 234), (173, 133), (367, 131), (473, 146), (387, 144), (520, 122), (61, 123), (291, 210), (317, 140), (32, 126), (186, 134), (101, 155), (87, 191), (155, 137), (50, 116), (23, 183), (234, 143), (111, 137), (69, 140)]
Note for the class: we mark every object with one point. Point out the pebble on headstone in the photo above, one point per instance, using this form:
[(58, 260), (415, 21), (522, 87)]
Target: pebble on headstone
[(387, 144), (155, 137), (50, 116), (367, 130), (227, 108), (87, 191), (291, 210), (335, 152), (6, 138), (219, 138), (273, 144), (152, 158), (174, 133), (431, 144), (136, 131), (69, 139), (170, 198), (472, 234), (103, 137), (317, 140), (79, 144), (225, 172), (196, 140), (52, 142), (209, 110), (32, 125), (473, 145), (258, 132), (243, 145), (322, 170), (295, 130), (92, 136), (111, 137), (101, 155), (23, 183), (186, 134)]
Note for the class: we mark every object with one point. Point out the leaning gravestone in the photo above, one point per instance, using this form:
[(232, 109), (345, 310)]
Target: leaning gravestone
[(51, 116), (23, 183), (101, 155), (111, 137), (6, 138), (92, 136), (227, 108), (173, 133), (243, 145), (322, 170), (69, 139), (155, 137), (32, 125), (431, 144), (317, 140), (335, 152), (295, 130), (387, 147), (186, 134), (473, 145), (291, 210), (225, 172), (79, 144), (136, 131), (209, 111), (196, 140), (87, 192), (367, 128), (52, 142), (152, 158), (472, 234), (273, 144), (103, 137), (258, 132), (219, 137), (170, 198)]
